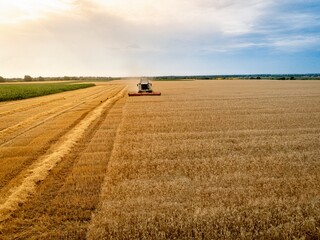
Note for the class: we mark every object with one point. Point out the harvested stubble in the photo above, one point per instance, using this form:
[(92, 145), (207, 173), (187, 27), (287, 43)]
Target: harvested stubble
[(35, 127), (62, 202), (215, 159)]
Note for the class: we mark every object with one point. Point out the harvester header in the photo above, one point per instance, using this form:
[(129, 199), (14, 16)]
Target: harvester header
[(144, 89)]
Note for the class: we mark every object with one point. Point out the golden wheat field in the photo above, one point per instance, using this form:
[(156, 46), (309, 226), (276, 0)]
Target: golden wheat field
[(206, 160)]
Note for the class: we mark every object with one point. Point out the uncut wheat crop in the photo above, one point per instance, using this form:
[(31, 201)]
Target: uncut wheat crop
[(215, 159)]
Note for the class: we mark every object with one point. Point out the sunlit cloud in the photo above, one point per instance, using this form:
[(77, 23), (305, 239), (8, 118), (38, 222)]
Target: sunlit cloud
[(296, 43), (16, 11), (230, 16), (138, 37)]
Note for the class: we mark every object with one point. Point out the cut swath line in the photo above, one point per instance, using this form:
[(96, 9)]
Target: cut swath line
[(20, 125), (29, 107), (36, 117), (40, 170)]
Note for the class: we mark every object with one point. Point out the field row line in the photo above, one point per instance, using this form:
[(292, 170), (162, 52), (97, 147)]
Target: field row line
[(32, 106), (36, 118), (41, 169), (12, 111), (30, 120)]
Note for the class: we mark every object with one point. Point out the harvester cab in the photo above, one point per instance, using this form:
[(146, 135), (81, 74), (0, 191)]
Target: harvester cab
[(144, 89), (144, 85)]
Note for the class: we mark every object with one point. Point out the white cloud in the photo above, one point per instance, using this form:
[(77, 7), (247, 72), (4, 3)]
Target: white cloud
[(296, 43), (16, 11), (102, 37), (229, 16)]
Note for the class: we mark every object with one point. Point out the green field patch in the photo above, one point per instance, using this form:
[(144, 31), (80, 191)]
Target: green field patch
[(9, 92)]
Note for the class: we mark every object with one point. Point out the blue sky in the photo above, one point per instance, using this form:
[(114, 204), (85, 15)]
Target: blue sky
[(145, 37)]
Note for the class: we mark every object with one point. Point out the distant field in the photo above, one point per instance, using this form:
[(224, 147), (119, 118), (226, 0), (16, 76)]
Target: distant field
[(10, 92)]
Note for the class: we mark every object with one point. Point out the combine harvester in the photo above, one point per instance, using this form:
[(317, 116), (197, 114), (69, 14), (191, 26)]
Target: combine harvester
[(145, 89)]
